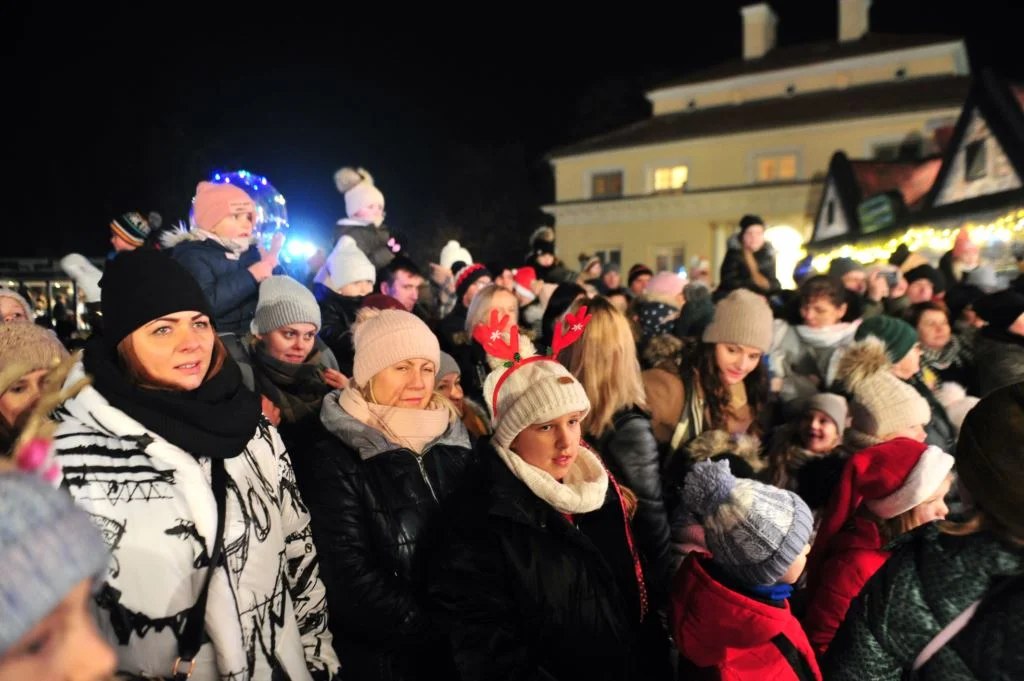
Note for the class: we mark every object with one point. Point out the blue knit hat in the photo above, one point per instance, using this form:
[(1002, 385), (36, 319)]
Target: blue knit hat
[(47, 546), (755, 531)]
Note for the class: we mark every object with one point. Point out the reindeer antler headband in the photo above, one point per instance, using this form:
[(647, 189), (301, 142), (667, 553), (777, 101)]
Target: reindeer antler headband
[(491, 337)]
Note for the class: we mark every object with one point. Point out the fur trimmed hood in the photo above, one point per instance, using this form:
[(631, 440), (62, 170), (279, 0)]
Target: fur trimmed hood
[(182, 234), (712, 443)]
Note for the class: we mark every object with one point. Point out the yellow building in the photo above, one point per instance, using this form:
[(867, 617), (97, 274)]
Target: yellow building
[(754, 135)]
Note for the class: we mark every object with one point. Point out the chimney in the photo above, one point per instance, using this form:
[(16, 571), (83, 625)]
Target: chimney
[(758, 30), (854, 20)]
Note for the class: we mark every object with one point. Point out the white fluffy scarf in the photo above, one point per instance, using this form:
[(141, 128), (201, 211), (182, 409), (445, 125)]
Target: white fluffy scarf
[(582, 491), (827, 336)]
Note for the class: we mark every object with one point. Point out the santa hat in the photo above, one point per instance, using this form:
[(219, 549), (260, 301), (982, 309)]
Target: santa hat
[(357, 186), (524, 278), (888, 479), (529, 389), (452, 253)]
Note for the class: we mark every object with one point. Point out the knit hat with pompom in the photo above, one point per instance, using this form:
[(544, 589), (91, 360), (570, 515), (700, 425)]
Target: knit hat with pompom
[(755, 532)]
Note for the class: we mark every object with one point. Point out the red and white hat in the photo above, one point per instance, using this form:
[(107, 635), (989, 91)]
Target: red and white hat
[(524, 278), (889, 479)]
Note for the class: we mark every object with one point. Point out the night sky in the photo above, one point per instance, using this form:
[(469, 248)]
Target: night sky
[(452, 114)]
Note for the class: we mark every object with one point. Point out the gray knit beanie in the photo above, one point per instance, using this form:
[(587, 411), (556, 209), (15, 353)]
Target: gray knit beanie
[(284, 301), (832, 405), (744, 318), (47, 546), (448, 365), (755, 531)]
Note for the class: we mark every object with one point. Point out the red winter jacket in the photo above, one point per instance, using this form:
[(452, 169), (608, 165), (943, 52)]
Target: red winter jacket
[(852, 557), (734, 637)]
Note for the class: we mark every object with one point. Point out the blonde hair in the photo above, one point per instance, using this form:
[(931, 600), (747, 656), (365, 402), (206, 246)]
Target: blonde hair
[(436, 401), (604, 362), (480, 308)]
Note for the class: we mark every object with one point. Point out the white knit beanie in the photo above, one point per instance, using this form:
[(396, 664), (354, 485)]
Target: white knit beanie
[(534, 392), (14, 295), (284, 301), (346, 264), (454, 252), (385, 337), (357, 186)]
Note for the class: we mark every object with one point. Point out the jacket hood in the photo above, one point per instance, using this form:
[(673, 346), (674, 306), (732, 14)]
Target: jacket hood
[(715, 619), (367, 440), (712, 443), (181, 234)]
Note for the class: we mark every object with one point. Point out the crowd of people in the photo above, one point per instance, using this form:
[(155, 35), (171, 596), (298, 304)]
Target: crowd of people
[(510, 470)]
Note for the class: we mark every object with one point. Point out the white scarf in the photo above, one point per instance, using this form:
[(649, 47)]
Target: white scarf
[(827, 336), (583, 490), (236, 246)]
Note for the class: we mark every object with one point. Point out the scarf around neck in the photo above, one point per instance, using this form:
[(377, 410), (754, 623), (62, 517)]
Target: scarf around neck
[(296, 389), (410, 428), (235, 247), (583, 490), (216, 420), (828, 336)]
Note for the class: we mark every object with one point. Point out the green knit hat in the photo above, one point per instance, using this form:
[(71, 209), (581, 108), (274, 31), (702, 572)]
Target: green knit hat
[(898, 336)]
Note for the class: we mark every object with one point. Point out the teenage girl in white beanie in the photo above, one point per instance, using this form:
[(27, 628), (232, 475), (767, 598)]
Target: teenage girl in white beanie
[(537, 572), (392, 451)]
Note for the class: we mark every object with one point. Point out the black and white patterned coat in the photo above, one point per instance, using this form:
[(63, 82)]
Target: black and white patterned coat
[(155, 505)]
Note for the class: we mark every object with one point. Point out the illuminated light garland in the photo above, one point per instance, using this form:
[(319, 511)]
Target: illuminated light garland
[(1005, 228), (271, 213)]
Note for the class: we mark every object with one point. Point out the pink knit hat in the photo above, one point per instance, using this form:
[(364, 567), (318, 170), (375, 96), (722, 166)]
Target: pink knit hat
[(385, 337), (214, 202), (666, 283)]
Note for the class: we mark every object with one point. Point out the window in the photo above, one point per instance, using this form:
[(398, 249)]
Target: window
[(606, 185), (831, 212), (975, 167), (775, 167), (610, 255), (670, 259), (670, 178)]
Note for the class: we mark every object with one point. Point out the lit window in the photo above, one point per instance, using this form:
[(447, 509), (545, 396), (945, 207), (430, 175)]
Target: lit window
[(974, 161), (776, 167), (605, 185), (671, 177)]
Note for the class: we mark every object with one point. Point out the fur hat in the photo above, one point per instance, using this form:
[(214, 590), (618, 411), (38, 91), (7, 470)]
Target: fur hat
[(755, 531), (357, 186), (881, 403), (452, 253), (16, 297), (385, 337), (345, 265)]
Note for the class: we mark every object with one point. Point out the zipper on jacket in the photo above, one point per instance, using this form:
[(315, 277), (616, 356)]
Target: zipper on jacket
[(423, 472)]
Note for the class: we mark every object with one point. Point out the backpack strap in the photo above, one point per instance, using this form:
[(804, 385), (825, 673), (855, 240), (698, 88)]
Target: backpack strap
[(796, 660)]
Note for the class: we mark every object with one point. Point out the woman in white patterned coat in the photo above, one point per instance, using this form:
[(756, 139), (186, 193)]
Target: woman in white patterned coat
[(139, 451)]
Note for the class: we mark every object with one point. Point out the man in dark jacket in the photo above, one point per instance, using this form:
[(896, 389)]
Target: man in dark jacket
[(750, 261)]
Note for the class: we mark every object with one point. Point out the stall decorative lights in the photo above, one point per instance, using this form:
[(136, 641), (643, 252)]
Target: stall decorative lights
[(1004, 229)]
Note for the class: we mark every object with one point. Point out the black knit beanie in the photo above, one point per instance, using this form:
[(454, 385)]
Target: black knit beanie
[(142, 285)]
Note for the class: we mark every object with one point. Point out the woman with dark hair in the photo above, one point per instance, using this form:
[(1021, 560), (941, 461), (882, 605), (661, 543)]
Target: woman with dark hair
[(561, 300), (942, 352), (214, 569), (722, 381)]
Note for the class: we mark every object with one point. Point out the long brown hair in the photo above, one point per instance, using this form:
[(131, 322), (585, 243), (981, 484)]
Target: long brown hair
[(604, 362), (699, 360), (136, 371)]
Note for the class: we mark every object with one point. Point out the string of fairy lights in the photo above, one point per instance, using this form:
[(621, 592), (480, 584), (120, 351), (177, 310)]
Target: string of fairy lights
[(1006, 228)]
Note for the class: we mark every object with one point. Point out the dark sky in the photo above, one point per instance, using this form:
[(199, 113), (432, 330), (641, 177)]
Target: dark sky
[(452, 114)]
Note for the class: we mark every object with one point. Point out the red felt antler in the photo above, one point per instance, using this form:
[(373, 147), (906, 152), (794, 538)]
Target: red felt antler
[(492, 338), (575, 323)]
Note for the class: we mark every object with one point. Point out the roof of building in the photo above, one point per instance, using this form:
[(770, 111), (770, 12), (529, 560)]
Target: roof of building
[(793, 56), (799, 109)]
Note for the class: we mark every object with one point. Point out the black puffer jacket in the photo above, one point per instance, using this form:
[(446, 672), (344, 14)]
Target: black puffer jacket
[(338, 314), (525, 594), (372, 240), (630, 452), (736, 274), (371, 503), (928, 581), (227, 284)]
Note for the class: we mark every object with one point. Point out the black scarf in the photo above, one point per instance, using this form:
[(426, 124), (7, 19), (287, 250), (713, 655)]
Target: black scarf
[(215, 420), (296, 389)]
